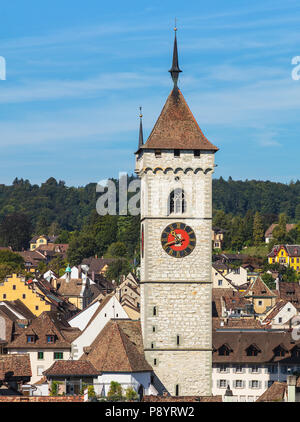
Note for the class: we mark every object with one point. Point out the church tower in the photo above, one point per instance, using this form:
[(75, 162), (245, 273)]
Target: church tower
[(175, 166)]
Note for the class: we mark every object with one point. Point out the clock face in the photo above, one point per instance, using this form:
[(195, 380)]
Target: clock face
[(178, 240)]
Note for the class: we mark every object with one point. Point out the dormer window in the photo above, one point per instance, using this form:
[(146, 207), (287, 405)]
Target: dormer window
[(30, 338), (280, 351), (224, 350), (252, 350), (50, 339)]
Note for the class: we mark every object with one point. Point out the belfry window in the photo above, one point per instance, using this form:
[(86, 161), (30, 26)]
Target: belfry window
[(177, 203)]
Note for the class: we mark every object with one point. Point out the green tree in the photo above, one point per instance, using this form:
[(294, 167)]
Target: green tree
[(80, 247), (258, 229), (116, 250), (117, 268), (15, 231), (279, 232)]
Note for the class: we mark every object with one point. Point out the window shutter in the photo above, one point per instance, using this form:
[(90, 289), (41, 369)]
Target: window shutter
[(234, 369), (259, 384), (250, 384), (266, 384), (244, 384)]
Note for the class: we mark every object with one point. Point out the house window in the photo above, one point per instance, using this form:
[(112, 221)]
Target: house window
[(178, 340), (260, 303), (279, 351), (50, 339), (4, 296), (252, 350), (40, 370), (152, 345), (224, 350), (40, 355), (36, 308), (223, 383), (254, 384), (157, 153), (154, 310), (177, 390), (224, 368), (280, 320), (196, 153), (272, 369), (58, 355), (219, 282), (30, 339), (238, 369), (177, 203), (14, 287), (155, 362), (254, 369), (176, 152), (153, 329), (23, 296), (239, 384)]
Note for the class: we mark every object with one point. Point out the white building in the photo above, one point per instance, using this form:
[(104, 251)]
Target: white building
[(249, 361), (92, 320)]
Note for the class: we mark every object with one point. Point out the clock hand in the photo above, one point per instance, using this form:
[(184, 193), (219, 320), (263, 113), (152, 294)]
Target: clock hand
[(173, 233), (173, 241)]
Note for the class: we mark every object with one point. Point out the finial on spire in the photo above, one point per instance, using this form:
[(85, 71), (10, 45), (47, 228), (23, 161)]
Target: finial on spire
[(175, 66), (141, 137)]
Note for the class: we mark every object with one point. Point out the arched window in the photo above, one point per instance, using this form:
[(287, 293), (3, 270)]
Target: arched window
[(177, 203)]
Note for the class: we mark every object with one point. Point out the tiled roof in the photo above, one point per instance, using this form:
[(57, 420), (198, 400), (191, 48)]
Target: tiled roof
[(275, 310), (290, 292), (182, 399), (265, 341), (236, 323), (258, 288), (72, 287), (118, 348), (292, 250), (96, 264), (269, 231), (46, 324), (176, 127), (275, 392), (71, 368), (14, 365)]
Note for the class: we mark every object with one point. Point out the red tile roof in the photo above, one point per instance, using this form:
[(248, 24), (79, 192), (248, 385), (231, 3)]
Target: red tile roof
[(71, 368), (118, 348), (176, 127), (15, 365)]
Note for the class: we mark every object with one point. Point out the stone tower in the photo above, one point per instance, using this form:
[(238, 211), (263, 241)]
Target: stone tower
[(175, 166)]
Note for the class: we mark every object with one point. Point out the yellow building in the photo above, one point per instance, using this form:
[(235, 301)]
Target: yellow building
[(288, 255), (261, 297), (15, 287), (37, 241)]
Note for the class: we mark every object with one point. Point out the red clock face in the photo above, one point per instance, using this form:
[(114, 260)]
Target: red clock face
[(178, 240)]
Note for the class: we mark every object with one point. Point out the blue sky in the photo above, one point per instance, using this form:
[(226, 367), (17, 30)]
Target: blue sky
[(77, 73)]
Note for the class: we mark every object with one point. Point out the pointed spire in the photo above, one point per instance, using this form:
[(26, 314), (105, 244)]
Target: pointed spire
[(175, 66), (141, 137)]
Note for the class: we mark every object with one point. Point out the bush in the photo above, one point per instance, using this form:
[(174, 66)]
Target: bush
[(115, 391), (131, 394)]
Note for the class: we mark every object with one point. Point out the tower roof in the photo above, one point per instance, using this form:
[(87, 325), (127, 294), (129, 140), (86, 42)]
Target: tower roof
[(176, 127)]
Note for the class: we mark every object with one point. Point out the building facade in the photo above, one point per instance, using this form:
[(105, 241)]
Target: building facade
[(175, 166)]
